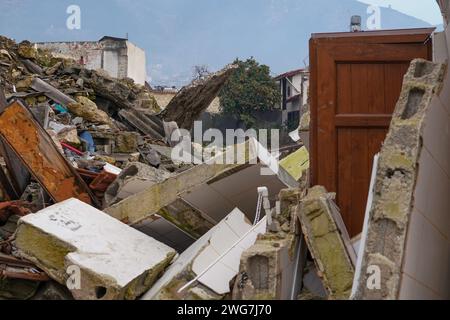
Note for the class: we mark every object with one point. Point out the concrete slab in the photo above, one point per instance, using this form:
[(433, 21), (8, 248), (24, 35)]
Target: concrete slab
[(400, 190), (326, 244), (114, 260)]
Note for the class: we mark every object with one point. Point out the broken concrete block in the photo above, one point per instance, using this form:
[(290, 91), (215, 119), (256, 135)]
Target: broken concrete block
[(273, 267), (396, 178), (135, 178), (143, 122), (325, 243), (297, 163), (69, 135), (126, 142), (192, 100), (113, 260), (205, 270), (88, 110), (26, 50), (262, 273)]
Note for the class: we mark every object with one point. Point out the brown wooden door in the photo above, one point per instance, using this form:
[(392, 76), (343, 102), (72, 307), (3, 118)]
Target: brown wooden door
[(355, 87)]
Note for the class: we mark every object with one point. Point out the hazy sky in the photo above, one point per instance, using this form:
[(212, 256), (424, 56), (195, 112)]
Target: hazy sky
[(427, 10)]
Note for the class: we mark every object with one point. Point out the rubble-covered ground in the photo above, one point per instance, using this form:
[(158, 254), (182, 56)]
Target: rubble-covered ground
[(74, 142)]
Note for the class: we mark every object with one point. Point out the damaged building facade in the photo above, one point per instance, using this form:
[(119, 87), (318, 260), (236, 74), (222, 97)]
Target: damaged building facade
[(119, 57), (88, 181)]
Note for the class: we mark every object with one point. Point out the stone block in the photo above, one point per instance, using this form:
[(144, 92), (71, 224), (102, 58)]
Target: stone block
[(112, 260)]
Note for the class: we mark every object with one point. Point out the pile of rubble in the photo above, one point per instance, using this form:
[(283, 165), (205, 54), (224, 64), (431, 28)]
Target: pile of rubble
[(71, 133), (93, 206)]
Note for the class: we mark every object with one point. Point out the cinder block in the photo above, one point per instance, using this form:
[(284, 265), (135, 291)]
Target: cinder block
[(397, 175)]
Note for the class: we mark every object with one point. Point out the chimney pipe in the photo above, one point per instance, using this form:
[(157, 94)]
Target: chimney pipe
[(355, 24)]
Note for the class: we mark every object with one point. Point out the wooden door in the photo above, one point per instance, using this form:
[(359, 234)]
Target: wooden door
[(355, 87)]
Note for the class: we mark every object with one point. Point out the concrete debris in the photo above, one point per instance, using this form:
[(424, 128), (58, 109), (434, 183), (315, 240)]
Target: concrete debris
[(74, 141), (192, 100), (73, 235), (204, 271), (396, 178), (134, 178), (297, 163), (88, 110), (206, 193), (325, 243), (273, 267)]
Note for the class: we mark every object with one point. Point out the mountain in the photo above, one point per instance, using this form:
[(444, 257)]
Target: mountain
[(178, 34)]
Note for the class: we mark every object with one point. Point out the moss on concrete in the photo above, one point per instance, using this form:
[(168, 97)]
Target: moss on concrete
[(46, 251), (325, 244)]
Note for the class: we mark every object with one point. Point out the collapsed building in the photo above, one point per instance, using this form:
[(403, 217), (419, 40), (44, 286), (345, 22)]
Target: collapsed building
[(94, 205)]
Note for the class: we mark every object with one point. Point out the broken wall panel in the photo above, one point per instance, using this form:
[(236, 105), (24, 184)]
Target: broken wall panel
[(204, 271), (38, 152), (326, 244), (272, 269), (151, 200), (428, 238), (408, 220), (192, 100), (207, 192)]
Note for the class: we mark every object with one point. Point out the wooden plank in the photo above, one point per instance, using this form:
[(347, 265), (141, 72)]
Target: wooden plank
[(326, 108), (313, 110), (393, 81), (382, 36), (375, 88), (375, 53), (359, 181), (344, 173), (363, 120), (344, 91)]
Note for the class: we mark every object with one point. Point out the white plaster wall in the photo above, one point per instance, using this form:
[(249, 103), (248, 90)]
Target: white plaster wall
[(111, 62), (137, 65), (426, 264), (297, 82)]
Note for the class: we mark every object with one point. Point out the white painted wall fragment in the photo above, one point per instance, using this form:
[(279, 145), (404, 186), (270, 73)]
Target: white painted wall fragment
[(214, 258), (116, 261)]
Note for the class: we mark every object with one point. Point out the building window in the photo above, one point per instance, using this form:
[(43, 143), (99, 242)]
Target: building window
[(288, 91), (293, 120)]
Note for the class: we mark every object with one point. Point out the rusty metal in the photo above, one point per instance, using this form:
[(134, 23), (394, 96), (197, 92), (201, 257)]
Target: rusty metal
[(9, 208), (13, 268), (102, 181), (36, 149)]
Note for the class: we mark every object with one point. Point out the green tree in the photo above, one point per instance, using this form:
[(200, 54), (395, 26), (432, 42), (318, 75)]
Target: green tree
[(249, 89)]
